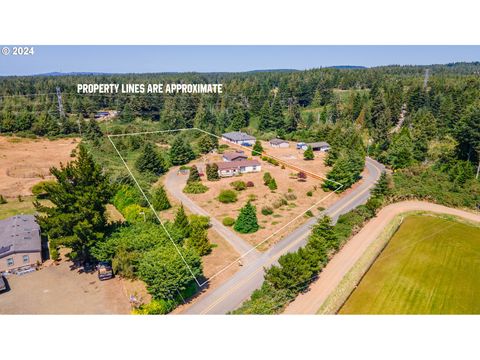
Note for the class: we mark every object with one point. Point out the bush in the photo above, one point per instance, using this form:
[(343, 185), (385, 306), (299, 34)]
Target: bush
[(155, 307), (309, 193), (301, 176), (267, 210), (134, 213), (279, 202), (250, 184), (290, 196), (227, 196), (239, 185), (266, 178), (228, 221), (2, 200), (195, 187), (252, 197), (309, 213)]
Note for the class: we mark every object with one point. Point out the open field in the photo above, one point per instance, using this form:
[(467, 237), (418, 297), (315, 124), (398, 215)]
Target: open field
[(430, 266), (25, 162), (261, 196), (15, 207)]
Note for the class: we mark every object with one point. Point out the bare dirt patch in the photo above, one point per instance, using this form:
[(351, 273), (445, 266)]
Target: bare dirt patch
[(25, 162), (289, 188)]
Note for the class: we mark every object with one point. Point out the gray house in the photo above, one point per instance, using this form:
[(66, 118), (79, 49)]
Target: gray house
[(20, 242), (240, 138)]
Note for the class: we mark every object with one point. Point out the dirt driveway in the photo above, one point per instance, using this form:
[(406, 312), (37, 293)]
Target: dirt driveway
[(59, 290)]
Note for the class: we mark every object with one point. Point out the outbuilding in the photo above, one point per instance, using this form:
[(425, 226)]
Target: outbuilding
[(320, 146), (279, 143), (234, 156)]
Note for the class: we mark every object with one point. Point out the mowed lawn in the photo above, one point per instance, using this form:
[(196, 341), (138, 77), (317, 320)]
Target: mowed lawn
[(430, 266)]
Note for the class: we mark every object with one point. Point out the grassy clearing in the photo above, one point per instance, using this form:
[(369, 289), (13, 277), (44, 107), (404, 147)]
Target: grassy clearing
[(15, 207), (430, 266)]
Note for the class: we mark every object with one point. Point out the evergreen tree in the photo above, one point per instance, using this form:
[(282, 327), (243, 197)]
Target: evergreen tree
[(240, 118), (346, 171), (93, 131), (293, 118), (160, 200), (181, 222), (126, 116), (308, 154), (272, 184), (266, 178), (382, 187), (247, 221), (79, 196), (207, 143), (198, 238), (277, 120), (181, 152), (265, 122), (212, 172), (400, 153), (257, 148), (193, 175), (150, 161)]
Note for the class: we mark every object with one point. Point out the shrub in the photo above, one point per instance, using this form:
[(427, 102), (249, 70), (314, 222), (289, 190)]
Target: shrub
[(155, 307), (252, 197), (227, 196), (310, 193), (308, 154), (290, 196), (266, 178), (134, 213), (2, 200), (250, 184), (239, 185), (301, 176), (267, 210), (279, 202), (193, 176), (309, 213), (272, 185), (195, 187), (212, 172), (160, 200), (228, 221)]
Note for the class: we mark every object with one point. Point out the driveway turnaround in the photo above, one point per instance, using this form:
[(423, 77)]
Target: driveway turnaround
[(331, 276), (239, 287)]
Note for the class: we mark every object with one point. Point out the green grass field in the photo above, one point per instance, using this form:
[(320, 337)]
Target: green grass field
[(430, 266)]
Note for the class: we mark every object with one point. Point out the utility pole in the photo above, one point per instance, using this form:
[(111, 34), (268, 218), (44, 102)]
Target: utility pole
[(425, 79)]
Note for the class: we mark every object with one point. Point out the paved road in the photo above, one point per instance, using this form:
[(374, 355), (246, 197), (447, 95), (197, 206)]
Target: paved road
[(175, 183), (234, 291), (342, 262)]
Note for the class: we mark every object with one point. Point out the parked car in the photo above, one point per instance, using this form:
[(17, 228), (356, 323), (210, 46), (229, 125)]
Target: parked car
[(3, 284), (104, 271)]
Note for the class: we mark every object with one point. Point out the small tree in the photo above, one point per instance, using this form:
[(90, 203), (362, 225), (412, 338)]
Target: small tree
[(181, 222), (266, 178), (382, 187), (272, 185), (194, 175), (247, 221), (308, 154), (212, 172), (257, 148), (160, 199), (302, 176), (149, 161), (198, 239), (207, 143)]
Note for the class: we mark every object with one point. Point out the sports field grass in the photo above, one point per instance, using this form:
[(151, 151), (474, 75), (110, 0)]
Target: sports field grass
[(430, 266)]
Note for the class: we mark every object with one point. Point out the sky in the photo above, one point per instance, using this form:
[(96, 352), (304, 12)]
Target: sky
[(142, 59)]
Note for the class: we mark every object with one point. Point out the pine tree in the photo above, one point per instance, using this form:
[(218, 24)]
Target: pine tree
[(181, 152), (207, 143), (212, 172), (198, 239), (193, 175), (247, 221), (308, 154), (382, 187), (293, 118), (160, 200), (79, 196), (126, 116), (150, 161), (400, 152), (265, 122), (181, 222), (266, 178), (277, 119), (93, 131), (257, 148)]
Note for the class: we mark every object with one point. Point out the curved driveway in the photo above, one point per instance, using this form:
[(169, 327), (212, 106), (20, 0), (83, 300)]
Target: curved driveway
[(342, 262), (234, 291)]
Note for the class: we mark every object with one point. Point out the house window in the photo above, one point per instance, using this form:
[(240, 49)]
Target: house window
[(10, 262), (26, 258)]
